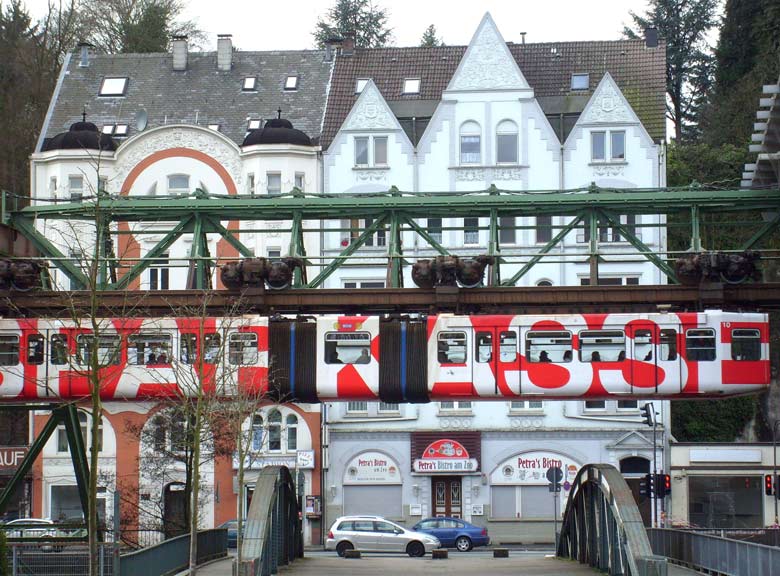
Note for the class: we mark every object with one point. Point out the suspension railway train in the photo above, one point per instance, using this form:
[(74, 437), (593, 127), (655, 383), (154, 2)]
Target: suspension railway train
[(341, 358)]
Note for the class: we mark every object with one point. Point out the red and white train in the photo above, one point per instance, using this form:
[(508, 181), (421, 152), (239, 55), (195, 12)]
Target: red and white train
[(340, 358)]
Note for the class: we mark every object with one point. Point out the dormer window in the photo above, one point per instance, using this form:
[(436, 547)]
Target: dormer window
[(250, 84), (291, 83), (412, 86), (580, 81), (120, 130), (113, 87), (253, 124), (214, 127), (360, 84), (108, 129)]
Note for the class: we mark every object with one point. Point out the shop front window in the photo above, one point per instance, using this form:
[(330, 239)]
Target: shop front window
[(725, 501)]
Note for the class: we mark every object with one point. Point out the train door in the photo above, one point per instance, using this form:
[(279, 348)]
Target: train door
[(33, 359), (655, 364), (496, 361)]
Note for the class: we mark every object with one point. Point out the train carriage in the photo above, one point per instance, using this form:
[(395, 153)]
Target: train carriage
[(342, 358)]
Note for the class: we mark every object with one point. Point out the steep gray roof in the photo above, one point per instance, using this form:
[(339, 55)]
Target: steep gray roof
[(199, 95)]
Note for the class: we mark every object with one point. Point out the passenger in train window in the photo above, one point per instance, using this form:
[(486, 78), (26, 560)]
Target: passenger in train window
[(58, 349), (543, 357), (567, 356), (595, 356), (364, 357), (152, 358), (621, 356), (162, 358), (35, 349), (648, 357)]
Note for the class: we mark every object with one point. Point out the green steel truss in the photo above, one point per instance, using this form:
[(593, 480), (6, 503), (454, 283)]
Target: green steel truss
[(395, 212)]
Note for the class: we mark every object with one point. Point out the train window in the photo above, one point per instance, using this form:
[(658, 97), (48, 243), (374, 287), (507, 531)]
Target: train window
[(58, 349), (107, 349), (347, 348), (745, 344), (484, 346), (548, 346), (507, 346), (452, 347), (212, 343), (35, 345), (149, 349), (188, 348), (242, 348), (700, 344), (643, 345), (668, 348), (602, 346), (9, 350)]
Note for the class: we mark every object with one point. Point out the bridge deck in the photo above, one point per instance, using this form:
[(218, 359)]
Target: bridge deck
[(457, 564)]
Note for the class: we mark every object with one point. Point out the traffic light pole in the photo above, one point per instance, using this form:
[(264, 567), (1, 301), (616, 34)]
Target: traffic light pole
[(654, 496), (774, 466)]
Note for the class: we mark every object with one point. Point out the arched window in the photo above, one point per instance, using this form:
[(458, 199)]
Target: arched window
[(257, 432), (470, 143), (292, 432), (506, 142), (544, 283), (634, 465), (274, 431)]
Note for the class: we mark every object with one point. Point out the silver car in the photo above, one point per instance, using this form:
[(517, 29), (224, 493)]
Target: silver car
[(377, 534)]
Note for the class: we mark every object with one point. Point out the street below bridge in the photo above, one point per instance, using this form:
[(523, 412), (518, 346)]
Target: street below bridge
[(474, 563)]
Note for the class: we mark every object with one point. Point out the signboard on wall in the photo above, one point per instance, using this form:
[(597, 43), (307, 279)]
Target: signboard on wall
[(445, 455), (372, 467), (11, 457), (530, 468)]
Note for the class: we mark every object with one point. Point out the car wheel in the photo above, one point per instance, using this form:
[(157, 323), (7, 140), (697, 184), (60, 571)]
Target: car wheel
[(415, 549), (342, 548), (463, 543)]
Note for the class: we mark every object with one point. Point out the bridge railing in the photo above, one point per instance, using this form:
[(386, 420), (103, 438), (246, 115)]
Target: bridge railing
[(273, 534), (714, 554), (173, 555), (602, 526)]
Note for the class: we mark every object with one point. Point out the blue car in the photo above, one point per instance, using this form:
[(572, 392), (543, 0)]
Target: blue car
[(454, 532), (232, 532)]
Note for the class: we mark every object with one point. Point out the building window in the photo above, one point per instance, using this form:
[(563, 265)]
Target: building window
[(274, 431), (580, 81), (507, 233), (86, 434), (113, 87), (253, 124), (300, 181), (76, 188), (380, 151), (120, 131), (470, 143), (378, 239), (598, 145), (353, 284), (612, 281), (526, 405), (361, 151), (273, 253), (543, 229), (617, 145), (412, 86), (178, 184), (544, 283), (627, 405), (258, 429), (291, 83), (360, 84), (214, 127), (455, 406), (595, 405), (471, 230), (506, 143), (250, 184), (108, 129), (435, 229), (357, 407), (159, 274), (725, 501), (274, 183), (249, 84), (389, 407), (292, 432)]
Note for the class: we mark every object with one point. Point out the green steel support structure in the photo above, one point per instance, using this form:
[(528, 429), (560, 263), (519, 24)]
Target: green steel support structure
[(397, 212)]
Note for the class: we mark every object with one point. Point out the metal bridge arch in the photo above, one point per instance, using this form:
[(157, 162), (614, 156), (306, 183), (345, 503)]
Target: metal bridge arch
[(602, 526)]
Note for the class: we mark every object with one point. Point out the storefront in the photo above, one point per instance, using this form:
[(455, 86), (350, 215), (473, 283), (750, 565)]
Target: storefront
[(372, 485)]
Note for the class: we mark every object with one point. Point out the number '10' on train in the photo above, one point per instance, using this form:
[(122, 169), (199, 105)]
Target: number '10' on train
[(438, 357)]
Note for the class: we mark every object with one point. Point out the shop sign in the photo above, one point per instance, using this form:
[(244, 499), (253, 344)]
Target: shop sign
[(257, 462), (372, 468), (531, 468), (305, 459), (445, 455), (11, 457)]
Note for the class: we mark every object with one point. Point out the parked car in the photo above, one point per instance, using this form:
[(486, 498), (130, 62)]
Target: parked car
[(30, 528), (232, 532), (454, 532), (377, 534)]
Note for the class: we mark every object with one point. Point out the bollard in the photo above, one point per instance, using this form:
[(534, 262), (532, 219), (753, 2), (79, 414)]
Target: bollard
[(352, 554), (440, 554), (500, 552)]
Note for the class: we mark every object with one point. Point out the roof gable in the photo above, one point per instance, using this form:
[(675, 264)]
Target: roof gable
[(608, 105), (487, 63), (371, 112)]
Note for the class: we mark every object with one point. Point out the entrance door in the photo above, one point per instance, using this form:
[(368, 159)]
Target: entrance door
[(174, 512), (447, 497), (496, 363)]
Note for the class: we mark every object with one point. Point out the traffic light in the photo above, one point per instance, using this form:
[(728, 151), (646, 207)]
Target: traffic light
[(768, 485), (646, 485), (647, 414), (663, 484)]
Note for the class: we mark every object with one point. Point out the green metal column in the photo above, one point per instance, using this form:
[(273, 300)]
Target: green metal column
[(395, 269), (494, 250), (695, 229), (298, 249), (593, 247), (78, 453), (200, 269)]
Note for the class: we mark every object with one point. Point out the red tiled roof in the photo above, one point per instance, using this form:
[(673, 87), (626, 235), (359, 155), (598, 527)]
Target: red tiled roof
[(639, 72)]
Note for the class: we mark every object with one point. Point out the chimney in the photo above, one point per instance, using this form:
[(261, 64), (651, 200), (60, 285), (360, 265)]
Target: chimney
[(348, 46), (179, 52), (84, 53), (522, 35), (331, 45), (224, 52), (651, 37)]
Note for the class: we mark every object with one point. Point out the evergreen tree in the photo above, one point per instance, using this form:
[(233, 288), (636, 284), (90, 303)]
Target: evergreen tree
[(683, 25), (429, 38), (362, 18)]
